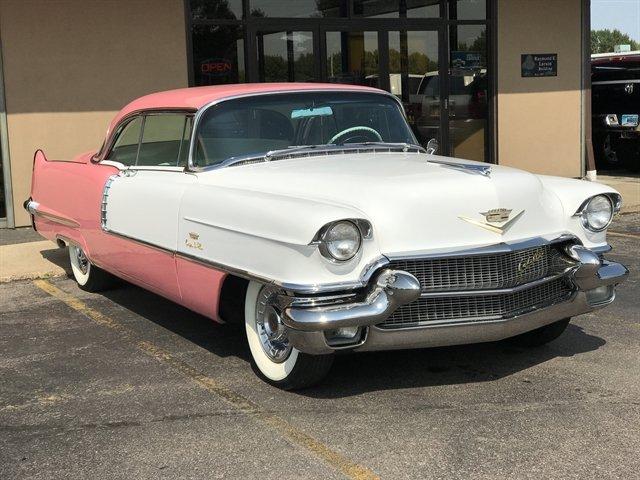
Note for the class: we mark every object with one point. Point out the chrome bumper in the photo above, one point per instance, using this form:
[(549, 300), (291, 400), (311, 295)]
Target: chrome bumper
[(308, 319)]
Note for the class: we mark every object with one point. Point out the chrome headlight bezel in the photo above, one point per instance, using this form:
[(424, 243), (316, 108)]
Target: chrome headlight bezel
[(614, 201), (361, 229)]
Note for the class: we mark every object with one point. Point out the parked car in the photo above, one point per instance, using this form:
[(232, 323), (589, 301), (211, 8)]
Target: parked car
[(308, 213), (615, 104)]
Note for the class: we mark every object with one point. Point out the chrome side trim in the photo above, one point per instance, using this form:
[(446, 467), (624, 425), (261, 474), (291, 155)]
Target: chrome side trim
[(205, 108), (602, 249), (103, 203), (33, 208)]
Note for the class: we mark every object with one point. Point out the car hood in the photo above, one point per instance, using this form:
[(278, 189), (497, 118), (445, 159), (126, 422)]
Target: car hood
[(414, 204)]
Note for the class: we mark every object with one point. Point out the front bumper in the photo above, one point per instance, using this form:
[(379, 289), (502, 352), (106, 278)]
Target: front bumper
[(308, 319)]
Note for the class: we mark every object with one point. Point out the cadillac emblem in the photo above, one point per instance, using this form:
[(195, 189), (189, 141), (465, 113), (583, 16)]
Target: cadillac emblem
[(496, 220), (497, 215)]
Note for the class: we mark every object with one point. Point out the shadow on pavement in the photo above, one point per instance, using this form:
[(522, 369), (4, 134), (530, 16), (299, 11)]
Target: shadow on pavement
[(362, 372)]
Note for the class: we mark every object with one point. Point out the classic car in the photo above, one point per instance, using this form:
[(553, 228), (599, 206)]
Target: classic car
[(310, 214)]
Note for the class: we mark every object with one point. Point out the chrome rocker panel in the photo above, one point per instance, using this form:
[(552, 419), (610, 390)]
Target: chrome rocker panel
[(308, 319)]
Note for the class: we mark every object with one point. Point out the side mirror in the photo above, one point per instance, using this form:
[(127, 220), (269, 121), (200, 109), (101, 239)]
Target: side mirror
[(432, 146)]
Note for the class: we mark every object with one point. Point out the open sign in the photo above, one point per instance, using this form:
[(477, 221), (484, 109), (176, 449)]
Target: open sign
[(216, 66)]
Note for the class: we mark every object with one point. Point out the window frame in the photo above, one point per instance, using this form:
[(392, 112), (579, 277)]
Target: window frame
[(103, 157)]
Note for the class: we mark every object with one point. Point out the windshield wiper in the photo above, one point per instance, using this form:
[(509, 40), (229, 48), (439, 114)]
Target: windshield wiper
[(403, 145)]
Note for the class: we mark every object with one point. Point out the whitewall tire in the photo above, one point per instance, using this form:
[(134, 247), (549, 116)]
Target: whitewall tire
[(88, 276), (272, 357)]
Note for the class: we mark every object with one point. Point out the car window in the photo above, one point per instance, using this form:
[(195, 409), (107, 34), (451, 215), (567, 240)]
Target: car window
[(125, 148), (163, 140), (258, 124)]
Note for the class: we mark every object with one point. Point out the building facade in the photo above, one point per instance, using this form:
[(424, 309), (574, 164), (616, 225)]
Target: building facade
[(500, 81)]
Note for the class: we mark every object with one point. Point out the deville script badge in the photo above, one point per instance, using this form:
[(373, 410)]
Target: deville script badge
[(496, 220)]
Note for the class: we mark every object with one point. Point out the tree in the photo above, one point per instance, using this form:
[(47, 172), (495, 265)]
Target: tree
[(603, 41)]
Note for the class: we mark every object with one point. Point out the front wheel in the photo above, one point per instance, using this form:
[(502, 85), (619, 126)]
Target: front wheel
[(272, 356), (541, 336), (88, 276)]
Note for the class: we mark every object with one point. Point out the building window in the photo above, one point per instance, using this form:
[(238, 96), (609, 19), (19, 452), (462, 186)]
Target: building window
[(216, 9), (299, 8), (218, 54)]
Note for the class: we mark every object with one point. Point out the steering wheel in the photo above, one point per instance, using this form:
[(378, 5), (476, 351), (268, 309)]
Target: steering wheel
[(366, 133)]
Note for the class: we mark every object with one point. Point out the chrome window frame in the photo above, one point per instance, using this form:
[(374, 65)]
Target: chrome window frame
[(202, 110), (107, 146)]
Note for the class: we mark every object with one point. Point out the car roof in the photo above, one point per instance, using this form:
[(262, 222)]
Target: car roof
[(195, 98)]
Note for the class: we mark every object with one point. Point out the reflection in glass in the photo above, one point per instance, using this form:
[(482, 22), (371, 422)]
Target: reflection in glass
[(467, 9), (299, 8), (352, 57), (423, 8), (468, 92), (218, 54), (286, 57), (413, 76), (216, 9)]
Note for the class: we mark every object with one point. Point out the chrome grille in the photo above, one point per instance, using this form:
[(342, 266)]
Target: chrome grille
[(487, 271), (450, 309)]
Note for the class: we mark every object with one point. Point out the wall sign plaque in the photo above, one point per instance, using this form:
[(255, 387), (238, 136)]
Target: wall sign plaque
[(539, 64)]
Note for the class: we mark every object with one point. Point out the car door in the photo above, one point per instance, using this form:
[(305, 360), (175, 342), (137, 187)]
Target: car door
[(141, 203)]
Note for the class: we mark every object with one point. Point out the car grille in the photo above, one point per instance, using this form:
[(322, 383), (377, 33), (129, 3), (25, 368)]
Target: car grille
[(542, 267), (485, 272), (436, 310)]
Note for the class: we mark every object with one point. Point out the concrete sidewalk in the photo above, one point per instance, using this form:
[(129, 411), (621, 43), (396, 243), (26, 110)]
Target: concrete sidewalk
[(32, 260), (629, 188)]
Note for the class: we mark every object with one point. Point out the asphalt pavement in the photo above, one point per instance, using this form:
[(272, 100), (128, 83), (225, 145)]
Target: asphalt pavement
[(125, 384)]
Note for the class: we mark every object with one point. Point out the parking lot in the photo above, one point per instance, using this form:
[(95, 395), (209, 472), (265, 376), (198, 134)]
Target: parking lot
[(125, 384)]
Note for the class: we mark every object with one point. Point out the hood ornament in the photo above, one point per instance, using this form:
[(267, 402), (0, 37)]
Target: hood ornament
[(496, 220)]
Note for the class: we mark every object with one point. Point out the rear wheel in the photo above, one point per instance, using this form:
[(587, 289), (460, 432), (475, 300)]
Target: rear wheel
[(88, 276), (272, 356), (541, 336)]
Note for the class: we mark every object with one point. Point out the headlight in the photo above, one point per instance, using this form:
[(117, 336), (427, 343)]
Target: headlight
[(597, 213), (341, 241)]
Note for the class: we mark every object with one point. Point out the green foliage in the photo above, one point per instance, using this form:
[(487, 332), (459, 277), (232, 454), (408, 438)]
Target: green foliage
[(603, 41)]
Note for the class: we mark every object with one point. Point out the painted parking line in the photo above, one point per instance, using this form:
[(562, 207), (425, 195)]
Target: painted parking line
[(238, 401)]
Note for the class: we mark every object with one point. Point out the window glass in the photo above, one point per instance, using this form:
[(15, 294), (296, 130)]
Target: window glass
[(255, 125), (216, 9), (125, 147), (286, 57), (162, 140), (423, 8), (299, 8), (376, 8), (352, 57), (218, 54), (467, 9)]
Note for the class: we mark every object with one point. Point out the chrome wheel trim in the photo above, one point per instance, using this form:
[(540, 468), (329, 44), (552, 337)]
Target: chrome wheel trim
[(83, 261), (271, 330)]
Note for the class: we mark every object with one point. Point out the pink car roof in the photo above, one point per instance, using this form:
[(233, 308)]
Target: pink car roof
[(196, 97)]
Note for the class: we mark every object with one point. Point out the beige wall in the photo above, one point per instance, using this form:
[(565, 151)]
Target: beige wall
[(70, 65), (539, 119)]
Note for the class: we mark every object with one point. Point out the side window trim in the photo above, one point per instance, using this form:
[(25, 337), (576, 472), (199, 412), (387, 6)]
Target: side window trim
[(143, 114)]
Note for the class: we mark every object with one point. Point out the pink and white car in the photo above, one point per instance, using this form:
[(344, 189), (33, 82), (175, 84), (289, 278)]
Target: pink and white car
[(309, 213)]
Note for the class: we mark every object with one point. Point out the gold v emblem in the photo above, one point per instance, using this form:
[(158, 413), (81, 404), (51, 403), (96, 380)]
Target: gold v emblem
[(494, 222)]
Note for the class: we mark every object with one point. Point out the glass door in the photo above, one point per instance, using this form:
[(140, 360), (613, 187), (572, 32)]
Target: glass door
[(468, 92), (286, 56), (414, 71), (352, 57)]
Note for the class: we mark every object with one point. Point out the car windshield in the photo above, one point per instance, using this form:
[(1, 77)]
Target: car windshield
[(255, 125)]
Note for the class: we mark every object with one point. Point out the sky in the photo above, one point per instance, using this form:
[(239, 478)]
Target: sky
[(621, 14)]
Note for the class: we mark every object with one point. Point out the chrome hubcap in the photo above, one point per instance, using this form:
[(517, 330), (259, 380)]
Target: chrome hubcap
[(83, 262), (271, 330)]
